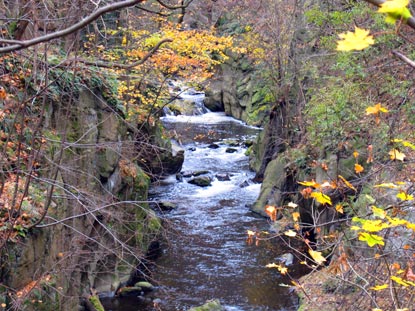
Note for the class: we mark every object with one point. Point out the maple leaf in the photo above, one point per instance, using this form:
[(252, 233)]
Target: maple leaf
[(317, 256), (339, 208), (321, 198), (395, 10), (378, 212), (371, 239), (396, 155), (357, 40), (376, 109), (358, 168), (404, 196)]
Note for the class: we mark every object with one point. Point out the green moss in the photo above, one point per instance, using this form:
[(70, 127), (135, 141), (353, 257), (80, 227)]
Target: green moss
[(94, 300)]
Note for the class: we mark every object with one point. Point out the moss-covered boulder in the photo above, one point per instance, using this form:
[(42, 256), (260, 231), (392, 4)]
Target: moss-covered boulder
[(213, 305)]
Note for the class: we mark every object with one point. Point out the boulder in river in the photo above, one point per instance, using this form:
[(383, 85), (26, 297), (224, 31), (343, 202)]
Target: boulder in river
[(167, 206), (201, 181), (213, 146), (145, 286), (223, 177), (231, 150), (129, 291), (213, 305)]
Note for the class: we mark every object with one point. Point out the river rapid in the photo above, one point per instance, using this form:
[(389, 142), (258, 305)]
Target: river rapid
[(206, 254)]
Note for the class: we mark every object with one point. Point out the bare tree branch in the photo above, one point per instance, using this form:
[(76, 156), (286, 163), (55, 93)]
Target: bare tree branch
[(170, 7), (404, 58), (118, 65), (18, 45)]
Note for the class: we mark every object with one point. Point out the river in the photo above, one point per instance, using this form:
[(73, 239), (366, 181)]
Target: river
[(206, 254)]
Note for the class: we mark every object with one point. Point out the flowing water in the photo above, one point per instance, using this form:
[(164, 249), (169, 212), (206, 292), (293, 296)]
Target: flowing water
[(206, 255)]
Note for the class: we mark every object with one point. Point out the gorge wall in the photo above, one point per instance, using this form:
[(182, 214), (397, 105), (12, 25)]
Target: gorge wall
[(98, 226)]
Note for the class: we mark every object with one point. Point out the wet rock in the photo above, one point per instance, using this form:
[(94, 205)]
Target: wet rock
[(232, 143), (145, 286), (129, 291), (231, 150), (213, 305), (213, 146), (287, 259), (223, 177), (245, 183), (167, 206), (198, 173), (188, 174), (201, 181), (192, 149)]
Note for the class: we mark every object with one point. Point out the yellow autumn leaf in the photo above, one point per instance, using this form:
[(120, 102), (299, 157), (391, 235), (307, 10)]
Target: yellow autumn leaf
[(317, 256), (379, 287), (309, 184), (371, 239), (272, 265), (399, 280), (378, 212), (387, 185), (339, 208), (396, 155), (321, 198), (396, 9), (250, 233), (404, 196), (290, 233), (348, 184), (358, 168), (376, 109), (296, 216), (357, 40)]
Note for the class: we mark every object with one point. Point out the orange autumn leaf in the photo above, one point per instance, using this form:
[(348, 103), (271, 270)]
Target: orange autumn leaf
[(358, 168), (271, 211), (296, 216), (3, 93), (376, 109)]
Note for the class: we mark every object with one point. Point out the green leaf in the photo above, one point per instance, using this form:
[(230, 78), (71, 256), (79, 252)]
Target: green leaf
[(378, 212), (371, 239)]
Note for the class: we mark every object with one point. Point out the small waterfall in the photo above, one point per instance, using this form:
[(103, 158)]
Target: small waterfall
[(186, 100)]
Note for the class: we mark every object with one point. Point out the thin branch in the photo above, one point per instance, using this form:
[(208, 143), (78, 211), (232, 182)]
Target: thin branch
[(64, 32), (170, 7), (404, 58), (118, 65)]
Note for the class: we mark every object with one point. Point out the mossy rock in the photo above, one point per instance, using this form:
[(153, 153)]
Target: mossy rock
[(94, 300), (145, 286), (213, 305)]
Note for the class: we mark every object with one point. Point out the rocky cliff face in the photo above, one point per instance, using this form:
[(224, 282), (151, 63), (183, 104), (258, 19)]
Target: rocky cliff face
[(98, 225), (239, 90)]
